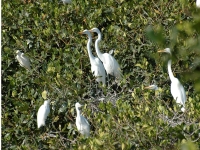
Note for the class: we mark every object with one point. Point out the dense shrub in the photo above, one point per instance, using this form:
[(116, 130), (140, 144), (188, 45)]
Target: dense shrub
[(123, 116)]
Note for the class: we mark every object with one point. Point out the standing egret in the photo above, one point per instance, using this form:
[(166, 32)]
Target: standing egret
[(198, 3), (23, 60), (110, 64), (42, 114), (152, 87), (81, 123), (177, 89), (96, 65)]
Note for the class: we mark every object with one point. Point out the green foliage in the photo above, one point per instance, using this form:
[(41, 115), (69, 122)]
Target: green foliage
[(125, 117)]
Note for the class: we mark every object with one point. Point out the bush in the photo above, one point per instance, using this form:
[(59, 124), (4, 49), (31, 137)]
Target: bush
[(121, 116)]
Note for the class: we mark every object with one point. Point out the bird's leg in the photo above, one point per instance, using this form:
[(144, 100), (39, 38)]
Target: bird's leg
[(108, 79), (97, 91)]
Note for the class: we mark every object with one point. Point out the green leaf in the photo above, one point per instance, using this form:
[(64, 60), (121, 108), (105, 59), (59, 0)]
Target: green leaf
[(44, 94)]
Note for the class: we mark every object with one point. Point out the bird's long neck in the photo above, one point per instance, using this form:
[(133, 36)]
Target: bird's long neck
[(100, 55), (78, 111), (89, 48), (171, 76)]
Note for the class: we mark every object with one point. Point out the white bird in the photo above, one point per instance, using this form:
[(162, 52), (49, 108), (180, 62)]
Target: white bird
[(42, 114), (110, 64), (81, 123), (97, 67), (66, 1), (152, 87), (23, 60), (177, 89), (198, 3), (155, 88)]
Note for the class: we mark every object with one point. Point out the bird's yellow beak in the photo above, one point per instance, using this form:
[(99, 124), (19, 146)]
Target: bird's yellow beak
[(161, 51), (80, 33), (90, 31), (147, 87)]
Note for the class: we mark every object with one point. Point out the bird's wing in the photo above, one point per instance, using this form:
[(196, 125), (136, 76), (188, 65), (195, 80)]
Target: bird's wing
[(82, 125), (101, 69), (84, 120), (177, 91), (117, 70), (19, 60), (40, 116), (25, 61), (85, 126), (47, 111), (93, 69), (98, 70), (40, 110), (174, 90), (111, 65), (183, 95), (108, 63)]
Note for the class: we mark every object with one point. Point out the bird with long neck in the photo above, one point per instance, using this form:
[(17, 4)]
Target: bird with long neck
[(110, 64), (81, 122), (97, 67), (177, 89)]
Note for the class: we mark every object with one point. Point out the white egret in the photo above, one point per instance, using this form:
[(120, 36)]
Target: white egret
[(81, 122), (42, 114), (177, 89), (23, 60), (152, 87), (66, 1), (96, 65), (111, 52), (155, 88), (110, 64), (198, 3)]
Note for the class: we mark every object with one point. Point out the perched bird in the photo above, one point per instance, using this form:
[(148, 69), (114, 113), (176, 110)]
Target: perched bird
[(152, 87), (23, 60), (110, 64), (111, 52), (177, 89), (97, 67), (81, 123), (42, 114), (66, 1), (155, 88), (198, 3)]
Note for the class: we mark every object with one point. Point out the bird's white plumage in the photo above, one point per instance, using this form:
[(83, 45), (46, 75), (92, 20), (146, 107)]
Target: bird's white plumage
[(152, 87), (97, 67), (178, 95), (110, 64), (66, 1), (42, 114), (23, 60), (198, 3), (82, 124), (177, 89)]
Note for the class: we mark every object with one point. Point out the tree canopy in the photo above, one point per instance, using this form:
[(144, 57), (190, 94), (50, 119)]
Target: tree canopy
[(122, 116)]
